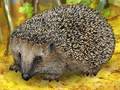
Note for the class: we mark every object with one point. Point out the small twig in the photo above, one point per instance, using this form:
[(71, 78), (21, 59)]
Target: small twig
[(36, 8), (58, 2), (35, 4), (1, 38), (102, 4), (21, 2), (107, 4), (6, 5)]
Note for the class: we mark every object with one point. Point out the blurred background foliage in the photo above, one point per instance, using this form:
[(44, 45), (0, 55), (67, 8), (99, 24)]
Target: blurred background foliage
[(15, 12)]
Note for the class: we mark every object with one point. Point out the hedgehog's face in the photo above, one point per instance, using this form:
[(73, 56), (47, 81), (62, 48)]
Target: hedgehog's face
[(33, 60)]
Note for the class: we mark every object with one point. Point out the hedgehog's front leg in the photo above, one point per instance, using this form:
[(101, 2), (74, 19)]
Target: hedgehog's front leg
[(17, 61), (16, 66), (51, 77), (53, 71)]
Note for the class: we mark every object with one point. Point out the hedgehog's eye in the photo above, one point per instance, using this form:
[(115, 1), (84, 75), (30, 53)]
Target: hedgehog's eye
[(37, 59)]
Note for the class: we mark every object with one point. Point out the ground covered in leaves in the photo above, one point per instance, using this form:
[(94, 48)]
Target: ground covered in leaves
[(107, 78)]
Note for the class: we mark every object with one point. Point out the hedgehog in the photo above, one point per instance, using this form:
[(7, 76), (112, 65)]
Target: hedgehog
[(66, 39)]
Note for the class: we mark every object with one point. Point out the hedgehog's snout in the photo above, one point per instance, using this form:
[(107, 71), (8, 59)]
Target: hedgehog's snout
[(26, 76)]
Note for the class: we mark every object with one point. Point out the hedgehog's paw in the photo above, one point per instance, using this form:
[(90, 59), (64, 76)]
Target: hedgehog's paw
[(14, 67), (91, 72), (51, 77)]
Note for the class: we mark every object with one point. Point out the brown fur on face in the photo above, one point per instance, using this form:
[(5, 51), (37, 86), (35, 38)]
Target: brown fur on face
[(51, 63)]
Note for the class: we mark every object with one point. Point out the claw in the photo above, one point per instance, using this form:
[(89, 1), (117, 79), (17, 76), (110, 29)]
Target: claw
[(11, 68), (91, 74), (50, 80), (16, 71), (87, 74), (57, 80), (47, 79), (94, 74)]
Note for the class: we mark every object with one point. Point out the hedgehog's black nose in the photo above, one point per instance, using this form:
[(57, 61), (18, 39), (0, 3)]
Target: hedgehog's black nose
[(25, 76)]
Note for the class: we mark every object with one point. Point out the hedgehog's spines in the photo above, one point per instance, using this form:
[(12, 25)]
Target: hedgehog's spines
[(81, 32)]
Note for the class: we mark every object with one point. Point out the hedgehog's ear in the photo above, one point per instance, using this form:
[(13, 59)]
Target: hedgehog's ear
[(51, 47)]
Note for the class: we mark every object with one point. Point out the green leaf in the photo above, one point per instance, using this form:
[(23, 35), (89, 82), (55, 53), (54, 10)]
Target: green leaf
[(86, 2), (26, 9), (106, 12), (73, 1)]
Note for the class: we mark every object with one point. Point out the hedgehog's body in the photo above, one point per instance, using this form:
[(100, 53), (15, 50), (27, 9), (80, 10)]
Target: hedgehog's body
[(73, 38)]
